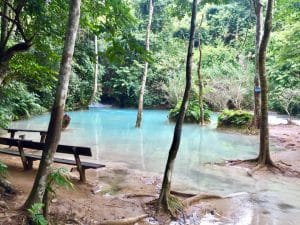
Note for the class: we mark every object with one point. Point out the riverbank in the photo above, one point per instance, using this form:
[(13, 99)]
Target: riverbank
[(118, 192)]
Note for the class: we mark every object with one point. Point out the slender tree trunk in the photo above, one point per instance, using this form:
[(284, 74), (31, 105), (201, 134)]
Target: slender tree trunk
[(264, 151), (54, 128), (3, 71), (4, 24), (166, 184), (200, 80), (144, 77), (258, 8), (95, 85)]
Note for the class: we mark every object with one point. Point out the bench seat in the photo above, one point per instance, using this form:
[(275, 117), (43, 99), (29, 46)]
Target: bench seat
[(84, 164)]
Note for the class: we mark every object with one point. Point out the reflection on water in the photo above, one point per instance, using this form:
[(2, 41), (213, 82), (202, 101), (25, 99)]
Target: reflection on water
[(113, 137)]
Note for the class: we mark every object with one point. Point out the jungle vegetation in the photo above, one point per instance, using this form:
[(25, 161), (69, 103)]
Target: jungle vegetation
[(228, 55)]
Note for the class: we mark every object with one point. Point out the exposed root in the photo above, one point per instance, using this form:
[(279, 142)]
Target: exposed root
[(126, 221), (239, 161), (8, 189), (256, 168), (192, 200), (139, 196), (182, 194), (284, 163)]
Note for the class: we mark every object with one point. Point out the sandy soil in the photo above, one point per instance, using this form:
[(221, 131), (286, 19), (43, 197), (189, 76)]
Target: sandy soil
[(116, 192)]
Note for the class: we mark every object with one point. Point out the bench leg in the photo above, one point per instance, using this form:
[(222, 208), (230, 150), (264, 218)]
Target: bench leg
[(29, 164), (12, 135), (43, 137), (23, 157), (82, 175), (80, 169)]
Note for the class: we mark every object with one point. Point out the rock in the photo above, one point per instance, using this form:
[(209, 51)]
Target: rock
[(3, 205)]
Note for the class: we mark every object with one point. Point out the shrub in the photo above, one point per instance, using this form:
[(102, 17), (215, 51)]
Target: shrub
[(16, 102), (193, 112), (3, 170), (234, 119), (35, 214)]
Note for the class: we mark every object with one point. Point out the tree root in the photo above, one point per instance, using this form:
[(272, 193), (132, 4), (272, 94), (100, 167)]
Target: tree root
[(256, 168), (8, 189), (126, 221), (269, 165), (139, 196), (182, 194), (239, 161), (192, 200), (284, 163)]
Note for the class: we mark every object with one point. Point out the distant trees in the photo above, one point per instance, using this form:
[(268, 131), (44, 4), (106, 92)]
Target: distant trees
[(144, 76)]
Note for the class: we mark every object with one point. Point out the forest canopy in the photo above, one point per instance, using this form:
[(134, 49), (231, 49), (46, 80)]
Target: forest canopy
[(228, 43)]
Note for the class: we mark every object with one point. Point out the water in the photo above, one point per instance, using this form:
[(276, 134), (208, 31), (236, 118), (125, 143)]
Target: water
[(112, 136)]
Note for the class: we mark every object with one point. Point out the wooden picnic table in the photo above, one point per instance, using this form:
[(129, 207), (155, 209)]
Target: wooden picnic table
[(13, 131)]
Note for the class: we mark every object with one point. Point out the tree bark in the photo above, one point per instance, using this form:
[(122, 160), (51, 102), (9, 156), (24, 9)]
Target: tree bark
[(258, 8), (200, 80), (95, 85), (264, 151), (166, 184), (144, 77), (54, 128)]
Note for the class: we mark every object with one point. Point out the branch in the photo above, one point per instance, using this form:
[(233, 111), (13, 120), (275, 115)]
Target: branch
[(10, 6), (8, 18), (23, 46)]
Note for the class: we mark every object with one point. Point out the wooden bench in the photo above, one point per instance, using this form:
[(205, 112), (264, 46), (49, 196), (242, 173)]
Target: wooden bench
[(12, 132), (28, 158)]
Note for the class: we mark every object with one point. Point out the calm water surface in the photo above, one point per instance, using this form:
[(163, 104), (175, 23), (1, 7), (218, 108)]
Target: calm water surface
[(112, 136)]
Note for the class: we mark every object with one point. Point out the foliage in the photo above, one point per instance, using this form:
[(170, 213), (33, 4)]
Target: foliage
[(3, 170), (284, 60), (234, 119), (192, 114), (58, 177), (227, 76), (288, 100), (16, 103), (35, 213)]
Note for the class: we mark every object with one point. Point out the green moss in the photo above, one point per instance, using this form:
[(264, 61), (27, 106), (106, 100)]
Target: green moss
[(234, 119), (193, 113), (174, 205)]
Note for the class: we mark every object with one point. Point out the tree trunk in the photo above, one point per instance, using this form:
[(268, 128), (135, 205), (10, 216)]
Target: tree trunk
[(259, 32), (264, 151), (144, 77), (200, 80), (166, 184), (3, 71), (95, 85), (54, 128)]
